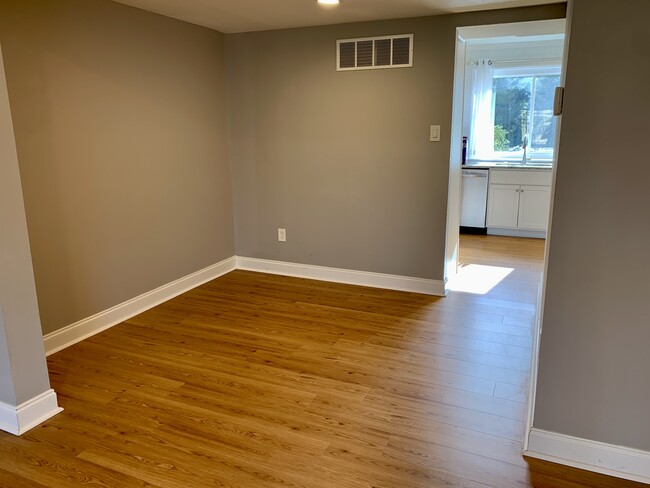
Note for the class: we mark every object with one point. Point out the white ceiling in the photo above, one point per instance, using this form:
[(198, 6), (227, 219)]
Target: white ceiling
[(231, 16)]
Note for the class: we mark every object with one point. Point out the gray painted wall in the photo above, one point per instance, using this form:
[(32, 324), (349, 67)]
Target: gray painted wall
[(23, 373), (594, 361), (342, 160), (121, 129)]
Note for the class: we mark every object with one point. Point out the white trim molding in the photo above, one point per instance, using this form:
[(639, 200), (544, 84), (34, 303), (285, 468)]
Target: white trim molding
[(534, 357), (350, 277), (18, 420), (535, 234), (97, 323), (618, 461)]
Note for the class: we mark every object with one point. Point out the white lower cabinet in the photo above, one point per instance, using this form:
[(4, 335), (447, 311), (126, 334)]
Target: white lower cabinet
[(503, 206), (534, 203), (516, 207)]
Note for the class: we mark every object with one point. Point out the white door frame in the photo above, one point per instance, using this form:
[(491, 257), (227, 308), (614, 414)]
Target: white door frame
[(537, 332), (453, 192)]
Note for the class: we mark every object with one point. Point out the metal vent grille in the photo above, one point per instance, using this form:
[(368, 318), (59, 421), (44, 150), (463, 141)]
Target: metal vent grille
[(364, 54), (402, 50), (375, 52), (348, 54), (382, 52)]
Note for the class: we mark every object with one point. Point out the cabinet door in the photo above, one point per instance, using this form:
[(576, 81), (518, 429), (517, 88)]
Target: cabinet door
[(503, 206), (534, 202)]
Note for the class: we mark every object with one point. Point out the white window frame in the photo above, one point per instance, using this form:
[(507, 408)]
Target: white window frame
[(507, 70)]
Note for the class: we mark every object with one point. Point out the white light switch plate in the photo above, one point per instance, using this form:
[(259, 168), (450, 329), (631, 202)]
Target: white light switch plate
[(282, 235), (434, 133)]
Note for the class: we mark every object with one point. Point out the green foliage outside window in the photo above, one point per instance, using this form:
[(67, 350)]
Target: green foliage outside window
[(501, 142), (511, 102)]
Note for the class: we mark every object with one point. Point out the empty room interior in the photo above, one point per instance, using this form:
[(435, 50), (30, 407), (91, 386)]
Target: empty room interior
[(366, 243)]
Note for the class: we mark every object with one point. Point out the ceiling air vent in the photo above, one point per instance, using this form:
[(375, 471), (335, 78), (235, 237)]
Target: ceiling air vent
[(375, 52)]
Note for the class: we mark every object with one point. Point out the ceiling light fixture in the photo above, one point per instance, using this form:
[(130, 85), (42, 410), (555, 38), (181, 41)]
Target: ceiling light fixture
[(328, 2)]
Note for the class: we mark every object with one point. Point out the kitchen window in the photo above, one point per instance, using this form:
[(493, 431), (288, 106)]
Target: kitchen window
[(512, 113)]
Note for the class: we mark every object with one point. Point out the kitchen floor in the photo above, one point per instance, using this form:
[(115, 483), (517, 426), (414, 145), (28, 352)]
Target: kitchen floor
[(520, 261)]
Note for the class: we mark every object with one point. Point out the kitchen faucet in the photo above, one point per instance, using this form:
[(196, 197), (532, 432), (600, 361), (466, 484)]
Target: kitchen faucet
[(524, 144)]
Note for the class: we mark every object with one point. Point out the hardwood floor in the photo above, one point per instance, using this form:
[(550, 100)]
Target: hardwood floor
[(256, 380)]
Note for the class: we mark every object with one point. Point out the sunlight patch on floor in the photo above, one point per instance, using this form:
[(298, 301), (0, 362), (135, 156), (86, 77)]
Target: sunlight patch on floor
[(478, 279)]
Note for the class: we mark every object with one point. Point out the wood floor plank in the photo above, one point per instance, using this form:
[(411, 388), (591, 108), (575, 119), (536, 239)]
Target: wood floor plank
[(417, 416), (524, 341), (486, 404), (57, 466), (364, 357), (392, 471), (426, 340), (515, 393), (9, 479), (428, 456), (436, 349)]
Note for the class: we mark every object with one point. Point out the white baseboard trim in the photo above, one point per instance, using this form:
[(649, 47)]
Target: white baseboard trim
[(621, 462), (350, 277), (77, 332), (90, 326), (18, 420), (496, 231)]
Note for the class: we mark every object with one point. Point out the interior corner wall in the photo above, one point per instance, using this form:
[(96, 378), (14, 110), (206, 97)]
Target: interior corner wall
[(121, 129), (342, 160), (594, 362)]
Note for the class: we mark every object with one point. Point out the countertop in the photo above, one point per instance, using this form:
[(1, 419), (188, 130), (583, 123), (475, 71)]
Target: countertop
[(507, 165)]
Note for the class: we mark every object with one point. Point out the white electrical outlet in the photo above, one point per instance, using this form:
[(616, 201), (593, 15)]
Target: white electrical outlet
[(282, 235)]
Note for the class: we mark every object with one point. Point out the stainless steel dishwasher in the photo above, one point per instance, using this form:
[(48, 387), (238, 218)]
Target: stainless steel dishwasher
[(474, 193)]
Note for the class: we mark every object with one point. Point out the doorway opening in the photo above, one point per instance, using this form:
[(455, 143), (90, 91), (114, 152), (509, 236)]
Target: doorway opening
[(504, 142)]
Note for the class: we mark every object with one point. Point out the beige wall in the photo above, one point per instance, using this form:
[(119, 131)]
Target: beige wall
[(342, 160), (594, 360), (121, 130)]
